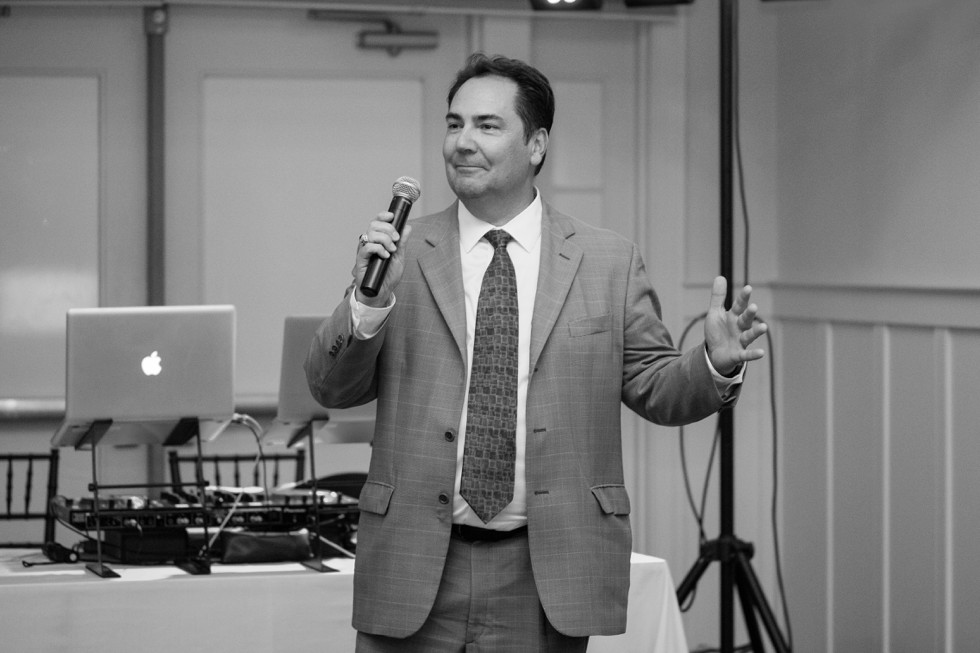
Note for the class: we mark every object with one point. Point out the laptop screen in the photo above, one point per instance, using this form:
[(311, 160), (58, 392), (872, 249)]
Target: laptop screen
[(146, 368), (296, 404), (298, 411)]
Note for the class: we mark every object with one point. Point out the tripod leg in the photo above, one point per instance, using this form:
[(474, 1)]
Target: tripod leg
[(693, 576), (748, 610), (753, 592)]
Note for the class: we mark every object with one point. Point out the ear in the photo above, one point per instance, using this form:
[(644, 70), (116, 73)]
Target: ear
[(538, 145)]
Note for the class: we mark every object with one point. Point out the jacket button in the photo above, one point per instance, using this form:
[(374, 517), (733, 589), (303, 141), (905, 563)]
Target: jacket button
[(450, 436), (443, 498)]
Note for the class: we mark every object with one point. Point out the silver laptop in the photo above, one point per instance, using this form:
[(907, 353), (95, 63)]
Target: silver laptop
[(148, 374), (298, 411)]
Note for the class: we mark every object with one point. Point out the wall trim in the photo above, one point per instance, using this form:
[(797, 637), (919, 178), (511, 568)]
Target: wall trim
[(926, 307), (497, 8)]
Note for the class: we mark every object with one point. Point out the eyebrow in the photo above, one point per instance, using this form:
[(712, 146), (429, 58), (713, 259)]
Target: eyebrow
[(483, 117)]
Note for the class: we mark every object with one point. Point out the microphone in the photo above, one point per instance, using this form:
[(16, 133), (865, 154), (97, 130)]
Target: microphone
[(405, 191), (56, 553)]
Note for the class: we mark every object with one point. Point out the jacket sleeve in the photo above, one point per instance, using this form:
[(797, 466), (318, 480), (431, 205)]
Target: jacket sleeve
[(660, 383), (340, 368)]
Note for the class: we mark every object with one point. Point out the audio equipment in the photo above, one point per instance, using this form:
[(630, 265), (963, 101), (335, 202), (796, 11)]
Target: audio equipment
[(121, 514)]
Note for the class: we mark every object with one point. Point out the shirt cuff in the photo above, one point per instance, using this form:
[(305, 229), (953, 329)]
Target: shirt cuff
[(366, 321), (724, 383)]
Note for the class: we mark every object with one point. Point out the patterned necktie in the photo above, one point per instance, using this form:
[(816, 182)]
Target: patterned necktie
[(487, 483)]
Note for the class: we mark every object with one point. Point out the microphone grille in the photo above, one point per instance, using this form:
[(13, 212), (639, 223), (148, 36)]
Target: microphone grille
[(406, 187)]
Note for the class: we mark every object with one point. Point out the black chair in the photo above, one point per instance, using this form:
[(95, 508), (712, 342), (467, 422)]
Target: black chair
[(214, 465), (22, 497)]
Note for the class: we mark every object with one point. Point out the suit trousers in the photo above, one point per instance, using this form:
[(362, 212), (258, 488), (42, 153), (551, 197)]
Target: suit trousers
[(487, 602)]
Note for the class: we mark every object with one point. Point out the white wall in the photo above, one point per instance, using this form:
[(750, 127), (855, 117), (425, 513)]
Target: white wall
[(878, 153)]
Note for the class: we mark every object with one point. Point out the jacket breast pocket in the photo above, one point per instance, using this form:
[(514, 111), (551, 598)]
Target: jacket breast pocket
[(375, 497), (613, 499), (587, 326)]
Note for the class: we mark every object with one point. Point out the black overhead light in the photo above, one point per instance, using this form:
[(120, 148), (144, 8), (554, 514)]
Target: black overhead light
[(565, 5), (656, 3)]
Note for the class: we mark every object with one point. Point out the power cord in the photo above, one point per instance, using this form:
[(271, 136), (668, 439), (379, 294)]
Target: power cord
[(256, 429)]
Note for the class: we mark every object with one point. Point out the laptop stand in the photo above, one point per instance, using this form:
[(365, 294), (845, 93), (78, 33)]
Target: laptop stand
[(184, 429), (316, 562)]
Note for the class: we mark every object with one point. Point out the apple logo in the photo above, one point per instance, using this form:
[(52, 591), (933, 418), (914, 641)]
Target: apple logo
[(151, 364)]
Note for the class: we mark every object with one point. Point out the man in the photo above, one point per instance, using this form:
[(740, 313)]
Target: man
[(548, 566)]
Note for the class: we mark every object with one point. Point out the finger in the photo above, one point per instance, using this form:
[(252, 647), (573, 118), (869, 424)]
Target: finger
[(373, 242), (747, 318), (719, 288), (742, 298), (751, 335), (379, 238), (752, 355)]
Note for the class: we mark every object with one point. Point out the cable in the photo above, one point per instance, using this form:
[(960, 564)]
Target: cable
[(737, 144), (336, 546), (774, 508), (256, 429), (698, 512), (743, 198)]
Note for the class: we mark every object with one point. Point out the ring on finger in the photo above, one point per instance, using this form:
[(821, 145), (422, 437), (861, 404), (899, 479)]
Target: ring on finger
[(362, 240)]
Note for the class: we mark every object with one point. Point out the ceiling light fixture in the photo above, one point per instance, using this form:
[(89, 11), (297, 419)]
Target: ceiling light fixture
[(566, 5)]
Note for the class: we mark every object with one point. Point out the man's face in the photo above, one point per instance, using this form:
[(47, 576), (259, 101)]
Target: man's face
[(486, 155)]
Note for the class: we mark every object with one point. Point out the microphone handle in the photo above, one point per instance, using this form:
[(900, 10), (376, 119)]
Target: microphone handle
[(377, 266)]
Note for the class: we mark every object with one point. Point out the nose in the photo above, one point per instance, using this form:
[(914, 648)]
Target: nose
[(464, 140)]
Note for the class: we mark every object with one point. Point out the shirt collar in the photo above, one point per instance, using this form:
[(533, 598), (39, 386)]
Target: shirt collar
[(525, 227)]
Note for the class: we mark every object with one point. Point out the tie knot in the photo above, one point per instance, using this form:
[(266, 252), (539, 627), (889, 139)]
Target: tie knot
[(498, 238)]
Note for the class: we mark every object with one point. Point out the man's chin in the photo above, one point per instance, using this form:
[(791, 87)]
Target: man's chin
[(466, 188)]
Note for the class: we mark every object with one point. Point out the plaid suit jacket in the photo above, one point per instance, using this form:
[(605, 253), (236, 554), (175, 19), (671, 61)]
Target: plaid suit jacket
[(596, 342)]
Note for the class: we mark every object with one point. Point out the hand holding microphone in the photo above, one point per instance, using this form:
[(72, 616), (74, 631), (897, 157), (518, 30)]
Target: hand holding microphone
[(404, 193)]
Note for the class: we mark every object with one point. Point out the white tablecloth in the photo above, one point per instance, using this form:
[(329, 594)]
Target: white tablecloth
[(275, 607)]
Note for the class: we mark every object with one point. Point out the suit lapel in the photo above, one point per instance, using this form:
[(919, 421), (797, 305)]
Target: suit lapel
[(440, 267), (560, 258)]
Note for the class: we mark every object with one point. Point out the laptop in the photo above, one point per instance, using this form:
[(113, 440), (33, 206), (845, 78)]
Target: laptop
[(298, 412), (148, 374)]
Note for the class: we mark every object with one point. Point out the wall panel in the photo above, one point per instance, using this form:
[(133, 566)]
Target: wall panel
[(857, 476), (280, 221), (884, 410), (49, 255), (962, 464), (806, 524), (72, 204), (915, 483)]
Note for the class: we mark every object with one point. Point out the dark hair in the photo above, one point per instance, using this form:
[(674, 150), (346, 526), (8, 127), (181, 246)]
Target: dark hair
[(535, 101)]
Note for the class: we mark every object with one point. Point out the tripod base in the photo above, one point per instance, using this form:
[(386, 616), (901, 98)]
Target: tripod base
[(101, 570), (317, 564), (195, 566), (732, 551)]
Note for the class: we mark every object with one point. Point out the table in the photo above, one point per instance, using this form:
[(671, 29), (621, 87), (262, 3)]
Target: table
[(255, 607)]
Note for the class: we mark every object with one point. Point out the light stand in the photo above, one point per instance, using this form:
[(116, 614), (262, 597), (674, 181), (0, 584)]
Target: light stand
[(731, 553)]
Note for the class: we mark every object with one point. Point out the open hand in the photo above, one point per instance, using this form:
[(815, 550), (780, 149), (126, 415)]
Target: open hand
[(728, 334)]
